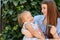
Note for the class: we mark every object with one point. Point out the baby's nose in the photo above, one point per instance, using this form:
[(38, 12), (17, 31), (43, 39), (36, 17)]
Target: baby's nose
[(31, 19)]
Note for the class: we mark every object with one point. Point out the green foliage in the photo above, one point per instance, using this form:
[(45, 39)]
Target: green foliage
[(58, 4), (10, 10), (12, 33)]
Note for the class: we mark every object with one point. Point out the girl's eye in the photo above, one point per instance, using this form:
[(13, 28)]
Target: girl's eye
[(43, 7)]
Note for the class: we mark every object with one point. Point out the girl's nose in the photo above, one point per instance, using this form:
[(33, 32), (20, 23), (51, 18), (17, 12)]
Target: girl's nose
[(42, 11)]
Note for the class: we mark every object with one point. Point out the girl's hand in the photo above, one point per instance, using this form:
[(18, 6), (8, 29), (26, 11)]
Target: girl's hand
[(53, 30), (54, 33)]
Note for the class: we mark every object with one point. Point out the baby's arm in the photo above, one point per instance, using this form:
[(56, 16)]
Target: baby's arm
[(42, 34), (33, 32), (26, 33)]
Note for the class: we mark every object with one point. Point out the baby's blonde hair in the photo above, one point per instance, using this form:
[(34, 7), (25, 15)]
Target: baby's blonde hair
[(21, 15)]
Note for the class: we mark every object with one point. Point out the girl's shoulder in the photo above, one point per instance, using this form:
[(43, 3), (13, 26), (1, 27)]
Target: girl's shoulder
[(58, 26), (58, 22), (58, 19), (39, 18)]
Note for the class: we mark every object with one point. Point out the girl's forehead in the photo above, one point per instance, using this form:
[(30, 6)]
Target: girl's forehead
[(44, 5)]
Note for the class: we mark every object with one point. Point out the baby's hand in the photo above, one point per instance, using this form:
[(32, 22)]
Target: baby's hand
[(26, 33), (40, 39)]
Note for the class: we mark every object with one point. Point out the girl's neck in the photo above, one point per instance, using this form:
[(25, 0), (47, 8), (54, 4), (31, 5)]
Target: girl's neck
[(45, 21)]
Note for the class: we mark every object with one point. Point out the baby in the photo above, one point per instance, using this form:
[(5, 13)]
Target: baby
[(30, 27)]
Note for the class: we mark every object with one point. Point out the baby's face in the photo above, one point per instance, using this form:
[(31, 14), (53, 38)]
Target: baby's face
[(28, 18)]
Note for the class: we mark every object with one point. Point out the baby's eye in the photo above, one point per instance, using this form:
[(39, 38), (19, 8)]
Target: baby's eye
[(28, 17)]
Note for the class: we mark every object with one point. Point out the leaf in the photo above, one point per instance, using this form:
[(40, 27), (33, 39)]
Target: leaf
[(23, 1), (5, 2), (33, 3), (31, 0), (15, 3), (11, 12), (20, 7), (28, 7), (8, 28), (14, 19), (15, 27), (59, 4), (10, 0)]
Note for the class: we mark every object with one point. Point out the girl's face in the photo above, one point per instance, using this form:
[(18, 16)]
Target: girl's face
[(44, 9), (28, 18)]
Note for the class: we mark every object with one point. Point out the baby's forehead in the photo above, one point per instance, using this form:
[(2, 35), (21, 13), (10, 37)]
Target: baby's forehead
[(25, 14)]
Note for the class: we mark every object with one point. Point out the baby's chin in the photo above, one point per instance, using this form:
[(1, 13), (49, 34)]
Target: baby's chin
[(32, 21)]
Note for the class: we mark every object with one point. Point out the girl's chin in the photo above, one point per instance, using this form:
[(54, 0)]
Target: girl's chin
[(45, 15)]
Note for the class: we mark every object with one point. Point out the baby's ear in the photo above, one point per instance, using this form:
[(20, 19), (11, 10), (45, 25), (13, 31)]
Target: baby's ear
[(23, 21)]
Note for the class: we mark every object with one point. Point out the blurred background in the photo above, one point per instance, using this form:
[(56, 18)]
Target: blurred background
[(10, 9)]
